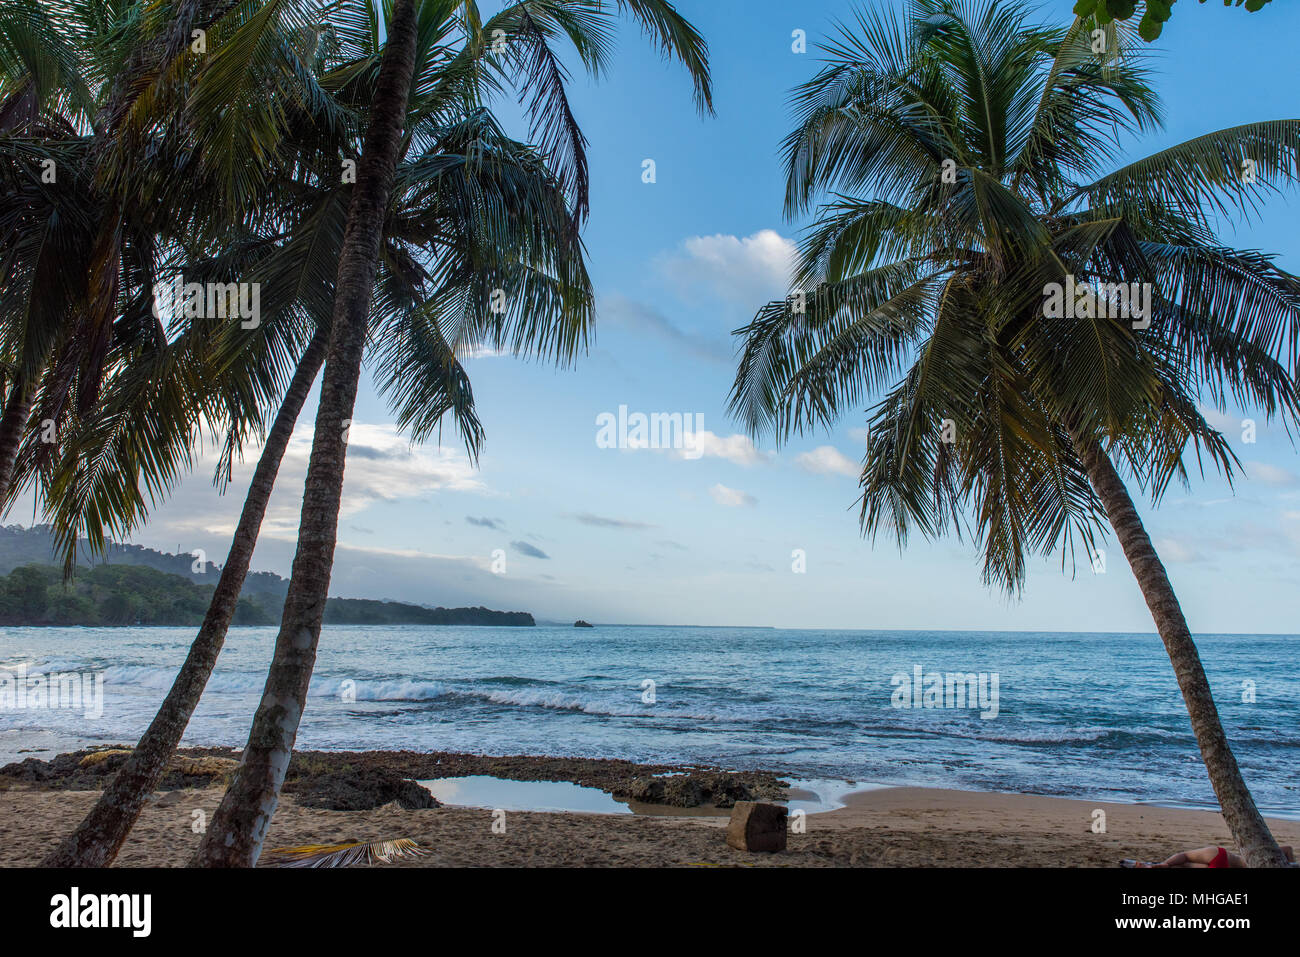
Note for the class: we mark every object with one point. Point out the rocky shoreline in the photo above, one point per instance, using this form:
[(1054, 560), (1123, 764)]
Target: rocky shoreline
[(360, 780)]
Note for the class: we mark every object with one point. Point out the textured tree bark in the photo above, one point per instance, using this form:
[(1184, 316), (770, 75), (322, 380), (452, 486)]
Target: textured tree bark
[(1247, 825), (100, 835), (13, 423), (235, 835)]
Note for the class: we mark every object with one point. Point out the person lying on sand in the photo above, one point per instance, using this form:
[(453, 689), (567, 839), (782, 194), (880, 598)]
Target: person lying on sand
[(1204, 857)]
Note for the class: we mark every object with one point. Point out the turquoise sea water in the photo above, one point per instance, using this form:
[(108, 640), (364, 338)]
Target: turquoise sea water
[(1083, 715)]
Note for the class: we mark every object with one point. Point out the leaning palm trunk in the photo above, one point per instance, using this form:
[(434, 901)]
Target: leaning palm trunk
[(13, 423), (1252, 835), (99, 837), (235, 835)]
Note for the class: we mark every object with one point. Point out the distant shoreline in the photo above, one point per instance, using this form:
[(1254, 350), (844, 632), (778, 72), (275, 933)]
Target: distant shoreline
[(356, 624), (140, 596), (135, 587)]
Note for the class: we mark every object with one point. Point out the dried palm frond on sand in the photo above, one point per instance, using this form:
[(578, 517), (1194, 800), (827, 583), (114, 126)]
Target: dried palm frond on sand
[(342, 855)]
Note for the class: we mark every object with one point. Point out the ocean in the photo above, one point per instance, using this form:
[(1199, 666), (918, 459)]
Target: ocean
[(1092, 716)]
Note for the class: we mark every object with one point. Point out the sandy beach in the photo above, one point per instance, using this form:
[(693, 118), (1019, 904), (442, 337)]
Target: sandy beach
[(888, 827)]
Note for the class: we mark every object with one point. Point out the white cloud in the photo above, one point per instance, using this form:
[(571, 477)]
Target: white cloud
[(481, 351), (731, 497), (736, 448), (1233, 423), (827, 460), (1271, 474), (1220, 420), (1172, 550), (752, 270), (382, 466)]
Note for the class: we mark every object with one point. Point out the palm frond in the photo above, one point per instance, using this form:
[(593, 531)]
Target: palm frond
[(348, 854), (947, 142), (1226, 172)]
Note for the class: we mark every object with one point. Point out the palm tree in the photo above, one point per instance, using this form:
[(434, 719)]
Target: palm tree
[(42, 94), (983, 141), (125, 410), (100, 835), (242, 837), (95, 203), (418, 70), (443, 240)]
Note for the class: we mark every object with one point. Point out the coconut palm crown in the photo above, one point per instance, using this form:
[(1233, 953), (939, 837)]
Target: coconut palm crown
[(1026, 312)]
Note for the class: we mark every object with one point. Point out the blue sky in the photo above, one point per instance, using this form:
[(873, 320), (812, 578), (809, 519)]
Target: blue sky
[(646, 536)]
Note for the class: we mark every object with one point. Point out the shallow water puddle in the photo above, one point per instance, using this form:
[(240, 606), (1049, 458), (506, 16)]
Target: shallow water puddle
[(481, 790)]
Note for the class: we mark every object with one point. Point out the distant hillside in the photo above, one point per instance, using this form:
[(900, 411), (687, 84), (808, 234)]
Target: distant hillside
[(111, 595), (137, 585), (366, 611), (35, 546)]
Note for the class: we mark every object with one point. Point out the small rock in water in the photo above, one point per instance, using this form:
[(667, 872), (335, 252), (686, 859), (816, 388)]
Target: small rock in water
[(583, 624), (757, 826)]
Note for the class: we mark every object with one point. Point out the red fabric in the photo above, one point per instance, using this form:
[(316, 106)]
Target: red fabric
[(1220, 859)]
